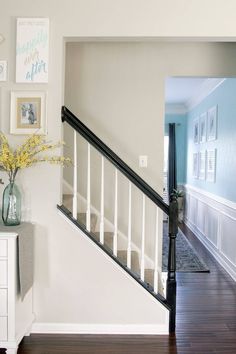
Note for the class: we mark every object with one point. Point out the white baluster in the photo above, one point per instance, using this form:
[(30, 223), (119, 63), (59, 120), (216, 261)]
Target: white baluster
[(75, 176), (88, 212), (143, 242), (156, 252), (115, 215), (102, 204), (129, 227)]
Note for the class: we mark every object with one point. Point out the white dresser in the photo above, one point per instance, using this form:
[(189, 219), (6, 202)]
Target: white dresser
[(16, 316)]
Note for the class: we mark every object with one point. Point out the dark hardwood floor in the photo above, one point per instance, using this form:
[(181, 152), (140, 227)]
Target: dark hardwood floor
[(206, 321)]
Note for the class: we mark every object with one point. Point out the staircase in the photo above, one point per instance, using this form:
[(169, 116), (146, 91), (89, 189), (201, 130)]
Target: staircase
[(131, 258), (108, 243)]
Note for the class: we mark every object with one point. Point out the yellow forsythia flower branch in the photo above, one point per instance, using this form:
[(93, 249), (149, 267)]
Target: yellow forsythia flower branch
[(29, 153)]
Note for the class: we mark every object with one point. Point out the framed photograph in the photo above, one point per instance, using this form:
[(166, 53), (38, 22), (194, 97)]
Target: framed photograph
[(3, 70), (28, 112), (202, 165), (211, 165), (202, 127), (32, 44), (196, 131), (195, 165), (212, 124)]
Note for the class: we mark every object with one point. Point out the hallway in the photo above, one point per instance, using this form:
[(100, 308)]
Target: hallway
[(206, 321)]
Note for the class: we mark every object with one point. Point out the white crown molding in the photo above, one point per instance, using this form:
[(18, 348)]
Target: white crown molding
[(175, 108), (208, 86), (93, 328)]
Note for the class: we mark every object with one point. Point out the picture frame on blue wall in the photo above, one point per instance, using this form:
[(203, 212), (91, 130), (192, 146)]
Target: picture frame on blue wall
[(202, 165), (195, 165), (202, 127), (212, 124), (196, 131), (211, 166)]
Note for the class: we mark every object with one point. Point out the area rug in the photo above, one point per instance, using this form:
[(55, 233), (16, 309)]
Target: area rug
[(187, 259)]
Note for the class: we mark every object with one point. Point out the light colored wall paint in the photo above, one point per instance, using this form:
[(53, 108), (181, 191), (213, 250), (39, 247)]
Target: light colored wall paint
[(113, 91), (181, 147), (80, 18), (224, 98)]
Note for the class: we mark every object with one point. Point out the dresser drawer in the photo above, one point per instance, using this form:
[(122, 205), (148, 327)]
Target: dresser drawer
[(3, 328), (3, 272), (3, 302), (3, 248)]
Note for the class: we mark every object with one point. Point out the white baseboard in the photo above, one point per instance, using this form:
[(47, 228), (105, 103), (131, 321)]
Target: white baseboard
[(77, 328)]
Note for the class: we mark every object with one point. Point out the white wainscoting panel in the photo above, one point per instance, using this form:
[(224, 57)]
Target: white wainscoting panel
[(213, 221), (228, 244), (212, 224), (200, 216)]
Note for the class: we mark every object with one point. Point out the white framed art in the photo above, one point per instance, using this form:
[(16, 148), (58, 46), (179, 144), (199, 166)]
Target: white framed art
[(3, 70), (196, 131), (211, 165), (32, 44), (212, 124), (203, 127), (202, 165), (28, 112), (195, 164)]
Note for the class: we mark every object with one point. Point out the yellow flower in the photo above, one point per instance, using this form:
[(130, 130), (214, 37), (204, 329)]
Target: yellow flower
[(29, 153)]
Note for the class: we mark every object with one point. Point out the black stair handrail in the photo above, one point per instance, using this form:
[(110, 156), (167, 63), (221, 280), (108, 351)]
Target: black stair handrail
[(75, 123)]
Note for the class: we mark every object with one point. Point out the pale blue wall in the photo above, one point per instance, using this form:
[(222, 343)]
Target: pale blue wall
[(181, 129), (225, 98)]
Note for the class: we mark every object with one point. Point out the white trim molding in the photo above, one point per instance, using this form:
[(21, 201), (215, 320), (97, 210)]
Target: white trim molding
[(81, 328), (213, 221), (179, 108), (208, 86)]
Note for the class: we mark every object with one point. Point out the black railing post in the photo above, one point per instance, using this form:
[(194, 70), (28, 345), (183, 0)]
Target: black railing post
[(171, 279)]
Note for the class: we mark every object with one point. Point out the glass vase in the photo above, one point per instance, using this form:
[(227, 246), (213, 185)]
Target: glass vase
[(11, 205)]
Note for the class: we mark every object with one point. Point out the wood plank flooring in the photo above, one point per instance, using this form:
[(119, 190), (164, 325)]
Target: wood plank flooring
[(206, 321)]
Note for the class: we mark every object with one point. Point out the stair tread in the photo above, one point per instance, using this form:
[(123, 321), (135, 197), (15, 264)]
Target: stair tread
[(108, 238), (67, 201), (108, 242), (149, 276), (81, 217), (122, 256), (67, 196)]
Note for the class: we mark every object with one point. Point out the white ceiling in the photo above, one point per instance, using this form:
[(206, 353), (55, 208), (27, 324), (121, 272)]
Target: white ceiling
[(181, 90)]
